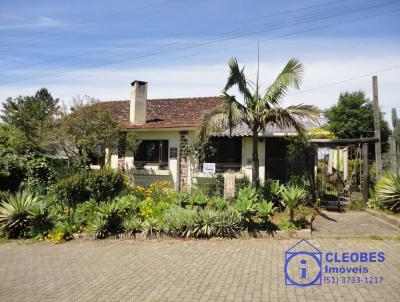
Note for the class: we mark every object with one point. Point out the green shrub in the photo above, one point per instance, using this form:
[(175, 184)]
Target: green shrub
[(272, 191), (206, 225), (229, 223), (182, 199), (38, 175), (152, 225), (374, 203), (84, 212), (356, 205), (12, 172), (292, 195), (246, 204), (287, 225), (71, 191), (265, 209), (61, 231), (105, 184), (107, 220), (132, 225), (181, 222), (129, 204), (39, 220), (14, 214), (211, 186), (219, 203), (3, 196), (240, 183), (198, 199), (100, 185), (98, 226), (113, 213), (388, 191)]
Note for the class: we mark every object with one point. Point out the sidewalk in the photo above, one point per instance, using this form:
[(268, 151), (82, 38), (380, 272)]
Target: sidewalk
[(351, 224)]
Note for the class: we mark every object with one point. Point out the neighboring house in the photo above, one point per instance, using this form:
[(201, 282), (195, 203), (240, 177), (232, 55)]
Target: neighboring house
[(165, 126)]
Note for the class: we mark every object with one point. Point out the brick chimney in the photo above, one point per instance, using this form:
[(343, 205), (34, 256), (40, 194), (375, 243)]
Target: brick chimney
[(138, 104)]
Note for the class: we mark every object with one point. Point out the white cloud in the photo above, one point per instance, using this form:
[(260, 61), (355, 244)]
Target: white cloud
[(28, 23), (325, 62)]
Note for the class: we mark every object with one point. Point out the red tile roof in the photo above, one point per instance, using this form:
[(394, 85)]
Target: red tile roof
[(168, 113)]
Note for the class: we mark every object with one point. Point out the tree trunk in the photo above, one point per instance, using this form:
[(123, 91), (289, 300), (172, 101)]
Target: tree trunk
[(393, 153), (255, 163)]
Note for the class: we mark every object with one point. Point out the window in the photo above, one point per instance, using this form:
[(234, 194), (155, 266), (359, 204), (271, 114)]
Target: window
[(152, 152), (227, 153)]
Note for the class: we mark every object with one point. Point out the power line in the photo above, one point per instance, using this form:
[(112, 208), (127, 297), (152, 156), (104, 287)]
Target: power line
[(127, 45), (88, 21), (192, 46), (349, 79), (263, 40)]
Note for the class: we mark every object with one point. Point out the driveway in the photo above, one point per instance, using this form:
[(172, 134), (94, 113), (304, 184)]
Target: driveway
[(178, 270), (351, 224)]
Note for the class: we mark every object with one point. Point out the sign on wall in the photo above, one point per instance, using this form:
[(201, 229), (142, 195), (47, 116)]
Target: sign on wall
[(209, 168), (173, 152)]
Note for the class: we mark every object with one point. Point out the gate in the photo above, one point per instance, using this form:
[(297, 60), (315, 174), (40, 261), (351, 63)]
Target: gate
[(339, 174)]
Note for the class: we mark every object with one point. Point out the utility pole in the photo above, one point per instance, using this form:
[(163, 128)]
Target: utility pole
[(377, 128)]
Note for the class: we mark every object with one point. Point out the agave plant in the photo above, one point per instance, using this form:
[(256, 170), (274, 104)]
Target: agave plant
[(246, 204), (151, 226), (219, 203), (14, 213), (206, 224), (132, 225), (39, 220), (189, 222), (292, 195), (127, 204), (182, 199), (272, 191), (111, 213), (99, 227), (388, 191), (228, 224), (265, 209), (198, 199)]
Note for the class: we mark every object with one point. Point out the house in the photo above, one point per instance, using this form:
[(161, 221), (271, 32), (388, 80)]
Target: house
[(166, 126)]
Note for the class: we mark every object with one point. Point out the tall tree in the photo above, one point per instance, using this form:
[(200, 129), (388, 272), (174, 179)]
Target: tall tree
[(29, 113), (85, 133), (353, 117), (257, 110)]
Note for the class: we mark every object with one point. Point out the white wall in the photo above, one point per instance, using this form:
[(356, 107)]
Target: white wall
[(173, 138)]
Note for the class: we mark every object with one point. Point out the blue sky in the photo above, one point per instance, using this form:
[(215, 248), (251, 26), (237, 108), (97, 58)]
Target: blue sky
[(181, 46)]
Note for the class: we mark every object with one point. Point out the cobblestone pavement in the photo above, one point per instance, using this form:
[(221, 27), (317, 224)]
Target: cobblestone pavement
[(352, 223), (175, 270)]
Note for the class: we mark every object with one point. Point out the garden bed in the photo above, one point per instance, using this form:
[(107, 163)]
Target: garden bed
[(101, 203)]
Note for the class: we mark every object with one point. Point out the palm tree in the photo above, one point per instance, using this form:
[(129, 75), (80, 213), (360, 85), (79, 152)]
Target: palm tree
[(259, 110)]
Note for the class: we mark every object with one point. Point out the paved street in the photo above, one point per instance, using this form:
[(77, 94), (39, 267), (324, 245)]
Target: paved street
[(174, 270)]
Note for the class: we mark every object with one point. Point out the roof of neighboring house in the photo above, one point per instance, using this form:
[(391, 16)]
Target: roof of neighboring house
[(270, 130), (168, 113)]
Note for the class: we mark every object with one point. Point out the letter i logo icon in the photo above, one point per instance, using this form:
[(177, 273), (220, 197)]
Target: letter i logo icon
[(303, 265), (303, 269)]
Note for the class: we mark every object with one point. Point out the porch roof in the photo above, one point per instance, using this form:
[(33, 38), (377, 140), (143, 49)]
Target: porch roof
[(270, 130)]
